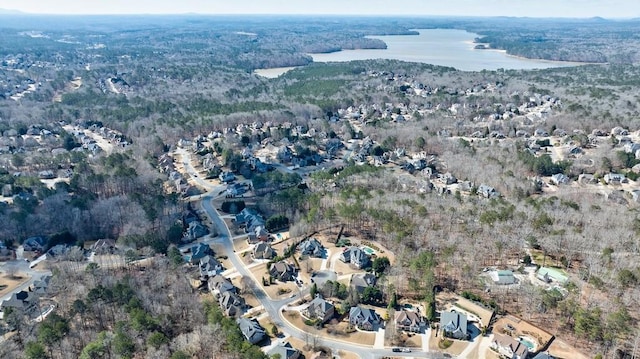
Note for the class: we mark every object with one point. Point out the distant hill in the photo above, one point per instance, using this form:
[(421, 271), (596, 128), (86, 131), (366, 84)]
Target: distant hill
[(10, 12)]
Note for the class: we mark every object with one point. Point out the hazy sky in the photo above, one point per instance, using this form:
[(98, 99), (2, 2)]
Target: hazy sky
[(534, 8)]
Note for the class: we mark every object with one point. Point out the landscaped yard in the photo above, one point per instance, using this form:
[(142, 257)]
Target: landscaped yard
[(357, 337), (7, 284), (457, 346), (277, 290)]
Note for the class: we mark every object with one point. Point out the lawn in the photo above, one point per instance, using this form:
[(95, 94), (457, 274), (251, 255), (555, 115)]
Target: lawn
[(272, 290), (7, 284), (358, 337)]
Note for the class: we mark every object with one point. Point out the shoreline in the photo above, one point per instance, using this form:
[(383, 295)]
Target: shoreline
[(473, 44)]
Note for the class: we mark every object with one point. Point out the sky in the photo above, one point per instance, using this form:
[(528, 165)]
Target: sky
[(531, 8)]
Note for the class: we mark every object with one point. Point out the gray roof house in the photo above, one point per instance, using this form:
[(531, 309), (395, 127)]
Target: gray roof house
[(263, 250), (282, 271), (34, 244), (364, 318), (311, 247), (356, 256), (200, 251), (488, 191), (559, 178), (251, 330), (103, 246), (454, 325), (231, 303), (41, 285), (320, 309), (257, 234), (195, 231), (22, 301), (284, 351), (247, 215), (410, 321), (361, 281), (615, 178), (209, 266), (509, 347), (503, 277), (219, 284), (227, 176)]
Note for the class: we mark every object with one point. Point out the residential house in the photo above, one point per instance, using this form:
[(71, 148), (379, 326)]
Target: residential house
[(218, 285), (631, 147), (200, 251), (356, 256), (227, 177), (263, 250), (231, 303), (258, 234), (454, 325), (47, 174), (559, 178), (195, 231), (22, 301), (35, 244), (319, 309), (104, 246), (209, 266), (311, 247), (236, 189), (410, 321), (284, 351), (7, 190), (254, 224), (282, 271), (503, 277), (364, 318), (488, 191), (361, 281), (615, 178), (251, 330), (509, 347), (41, 285)]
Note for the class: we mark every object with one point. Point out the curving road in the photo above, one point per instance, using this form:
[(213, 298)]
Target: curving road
[(274, 307)]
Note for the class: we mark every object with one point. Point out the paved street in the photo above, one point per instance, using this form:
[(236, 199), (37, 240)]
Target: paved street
[(274, 307)]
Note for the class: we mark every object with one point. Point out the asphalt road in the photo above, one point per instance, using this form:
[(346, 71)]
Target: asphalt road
[(273, 307)]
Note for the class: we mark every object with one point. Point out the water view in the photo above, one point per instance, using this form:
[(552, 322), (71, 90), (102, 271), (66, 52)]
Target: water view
[(273, 72), (442, 47)]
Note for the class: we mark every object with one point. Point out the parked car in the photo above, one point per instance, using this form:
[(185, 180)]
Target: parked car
[(396, 350)]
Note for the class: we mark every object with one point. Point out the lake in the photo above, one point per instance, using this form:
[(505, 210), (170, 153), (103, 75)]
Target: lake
[(444, 47), (273, 72)]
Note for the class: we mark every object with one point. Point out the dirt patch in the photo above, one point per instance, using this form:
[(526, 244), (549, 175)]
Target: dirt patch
[(561, 349), (490, 354), (456, 348), (277, 290), (249, 297), (240, 244), (522, 328), (110, 261), (8, 284), (267, 324), (340, 332)]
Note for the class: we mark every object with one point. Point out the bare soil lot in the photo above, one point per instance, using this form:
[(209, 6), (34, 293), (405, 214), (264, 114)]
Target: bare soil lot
[(8, 284)]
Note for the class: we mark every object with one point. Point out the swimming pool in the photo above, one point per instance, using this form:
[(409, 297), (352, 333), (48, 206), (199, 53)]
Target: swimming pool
[(368, 250), (528, 342)]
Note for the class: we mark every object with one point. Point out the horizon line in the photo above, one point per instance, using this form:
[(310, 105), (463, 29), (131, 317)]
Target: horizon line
[(11, 12)]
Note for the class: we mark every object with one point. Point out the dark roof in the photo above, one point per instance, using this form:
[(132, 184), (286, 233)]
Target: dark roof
[(251, 330)]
